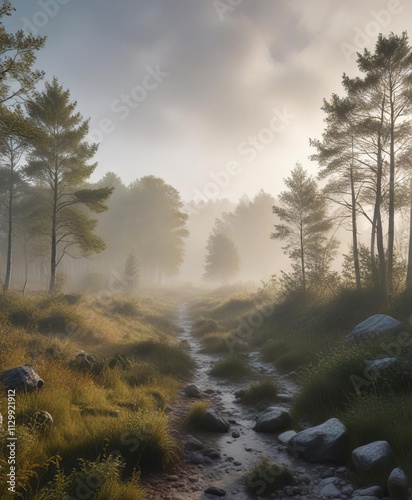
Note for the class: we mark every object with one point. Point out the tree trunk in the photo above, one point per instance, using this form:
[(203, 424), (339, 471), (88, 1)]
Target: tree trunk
[(391, 210), (53, 259), (302, 261), (409, 274), (10, 229), (354, 229)]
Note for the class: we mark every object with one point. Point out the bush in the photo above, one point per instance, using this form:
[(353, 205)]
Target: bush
[(232, 367), (196, 412), (168, 359), (265, 390), (125, 306), (330, 385), (267, 477)]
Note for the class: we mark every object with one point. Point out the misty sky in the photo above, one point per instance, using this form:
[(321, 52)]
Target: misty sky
[(183, 89)]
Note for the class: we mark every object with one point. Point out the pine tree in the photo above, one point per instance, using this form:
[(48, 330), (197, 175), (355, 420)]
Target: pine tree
[(303, 213), (58, 164)]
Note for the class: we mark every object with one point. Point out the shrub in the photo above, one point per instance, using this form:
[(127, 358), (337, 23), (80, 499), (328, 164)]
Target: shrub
[(168, 359), (232, 367), (266, 477), (125, 306), (265, 390), (330, 384), (196, 412)]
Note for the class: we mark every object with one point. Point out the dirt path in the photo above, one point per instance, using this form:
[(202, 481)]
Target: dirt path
[(237, 454)]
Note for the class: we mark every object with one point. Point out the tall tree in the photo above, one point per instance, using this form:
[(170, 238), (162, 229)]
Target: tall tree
[(59, 164), (337, 155), (388, 72), (13, 145), (222, 258), (304, 224)]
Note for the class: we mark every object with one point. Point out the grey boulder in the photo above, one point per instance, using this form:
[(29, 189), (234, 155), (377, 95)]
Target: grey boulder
[(192, 391), (374, 326), (398, 487), (21, 379), (372, 457), (273, 419), (212, 421), (326, 442)]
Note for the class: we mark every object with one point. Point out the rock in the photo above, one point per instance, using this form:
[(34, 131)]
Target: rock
[(212, 453), (215, 491), (347, 490), (120, 361), (83, 361), (212, 421), (42, 419), (198, 459), (374, 326), (398, 485), (376, 365), (21, 379), (193, 391), (328, 441), (372, 458), (193, 444), (329, 491), (172, 478), (285, 437), (273, 419), (368, 497), (371, 491), (235, 434)]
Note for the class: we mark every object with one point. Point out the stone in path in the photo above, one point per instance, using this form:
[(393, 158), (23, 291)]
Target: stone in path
[(273, 419), (372, 457), (212, 421), (326, 442)]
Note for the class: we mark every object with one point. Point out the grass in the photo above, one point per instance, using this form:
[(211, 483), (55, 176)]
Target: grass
[(117, 407), (264, 390), (232, 367), (195, 415), (373, 418), (266, 477), (167, 358)]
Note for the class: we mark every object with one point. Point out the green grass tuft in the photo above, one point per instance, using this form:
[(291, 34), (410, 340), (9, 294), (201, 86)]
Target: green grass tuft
[(232, 367), (264, 390), (265, 477)]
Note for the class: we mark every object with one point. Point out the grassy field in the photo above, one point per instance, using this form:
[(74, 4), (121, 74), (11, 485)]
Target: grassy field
[(108, 420)]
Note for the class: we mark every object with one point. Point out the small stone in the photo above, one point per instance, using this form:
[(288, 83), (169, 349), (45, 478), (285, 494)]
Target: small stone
[(235, 434), (398, 485), (172, 478), (193, 444), (215, 491), (285, 437), (329, 491), (372, 491), (347, 490), (193, 391)]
